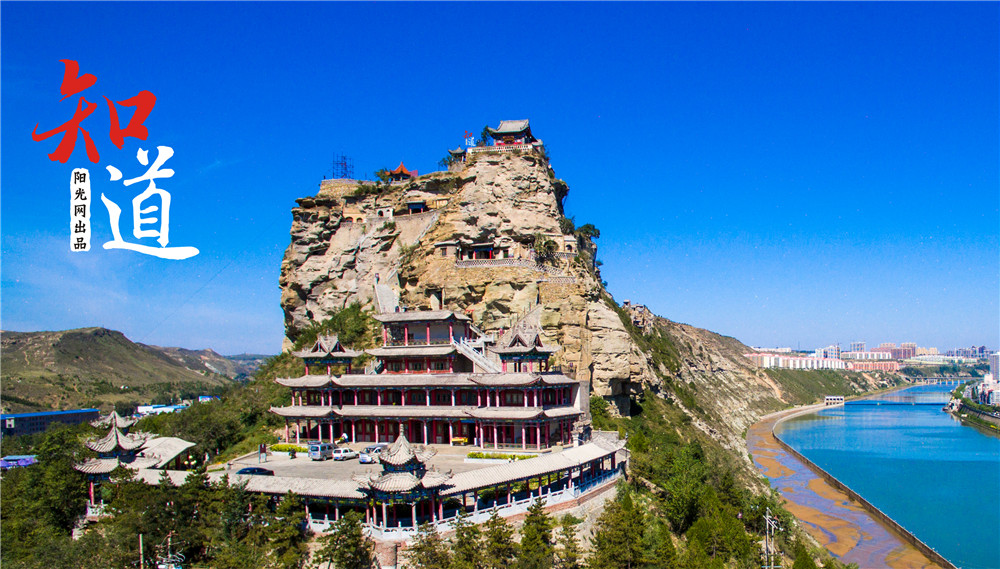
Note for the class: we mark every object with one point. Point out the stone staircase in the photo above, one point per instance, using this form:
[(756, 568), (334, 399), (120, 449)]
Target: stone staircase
[(485, 364)]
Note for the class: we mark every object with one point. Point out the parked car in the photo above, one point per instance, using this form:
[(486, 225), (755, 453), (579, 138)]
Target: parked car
[(321, 451), (344, 453), (370, 454), (255, 470)]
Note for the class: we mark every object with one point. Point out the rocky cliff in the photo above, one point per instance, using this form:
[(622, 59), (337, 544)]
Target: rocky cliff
[(489, 238)]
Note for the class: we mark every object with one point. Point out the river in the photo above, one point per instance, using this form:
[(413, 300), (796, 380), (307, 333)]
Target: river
[(934, 476)]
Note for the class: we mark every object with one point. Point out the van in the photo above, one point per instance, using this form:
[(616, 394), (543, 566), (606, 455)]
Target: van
[(321, 451)]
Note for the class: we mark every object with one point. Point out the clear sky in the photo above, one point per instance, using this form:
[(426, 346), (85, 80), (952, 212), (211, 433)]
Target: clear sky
[(784, 173)]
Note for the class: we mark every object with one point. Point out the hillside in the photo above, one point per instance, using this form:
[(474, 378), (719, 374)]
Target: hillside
[(96, 367), (505, 209)]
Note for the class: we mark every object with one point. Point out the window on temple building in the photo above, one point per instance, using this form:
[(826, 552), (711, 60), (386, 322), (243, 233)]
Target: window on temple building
[(416, 365), (513, 398), (394, 366), (439, 365)]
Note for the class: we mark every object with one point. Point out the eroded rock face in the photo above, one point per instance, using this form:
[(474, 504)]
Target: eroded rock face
[(340, 248), (505, 200)]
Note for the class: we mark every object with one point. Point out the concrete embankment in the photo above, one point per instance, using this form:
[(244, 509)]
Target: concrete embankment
[(878, 514)]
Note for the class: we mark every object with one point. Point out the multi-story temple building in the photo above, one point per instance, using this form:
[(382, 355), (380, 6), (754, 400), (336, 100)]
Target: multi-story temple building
[(437, 379)]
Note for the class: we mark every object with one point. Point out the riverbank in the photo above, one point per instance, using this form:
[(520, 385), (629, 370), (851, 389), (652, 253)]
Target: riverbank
[(842, 525)]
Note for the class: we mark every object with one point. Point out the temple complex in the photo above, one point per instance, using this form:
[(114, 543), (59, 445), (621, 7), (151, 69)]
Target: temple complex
[(437, 379), (134, 451)]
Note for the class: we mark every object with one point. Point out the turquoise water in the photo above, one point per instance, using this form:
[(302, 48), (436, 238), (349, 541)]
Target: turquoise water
[(937, 478)]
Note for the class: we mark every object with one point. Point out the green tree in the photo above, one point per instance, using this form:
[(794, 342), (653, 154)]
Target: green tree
[(346, 547), (467, 545), (802, 558), (428, 550), (685, 481), (568, 555), (484, 137), (537, 551), (588, 230), (659, 545), (287, 535), (617, 541), (499, 548), (544, 247)]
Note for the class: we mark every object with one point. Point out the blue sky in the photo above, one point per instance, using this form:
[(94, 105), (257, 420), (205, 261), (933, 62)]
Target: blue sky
[(784, 173)]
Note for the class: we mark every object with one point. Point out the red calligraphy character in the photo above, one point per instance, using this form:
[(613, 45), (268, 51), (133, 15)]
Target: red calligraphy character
[(143, 103), (71, 85)]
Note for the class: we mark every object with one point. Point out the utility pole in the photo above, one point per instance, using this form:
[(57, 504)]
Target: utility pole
[(771, 527), (142, 558)]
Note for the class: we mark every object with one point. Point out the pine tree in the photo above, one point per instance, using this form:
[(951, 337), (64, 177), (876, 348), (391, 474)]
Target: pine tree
[(467, 545), (660, 547), (617, 541), (537, 551), (568, 555), (499, 547), (346, 547), (287, 533), (428, 550)]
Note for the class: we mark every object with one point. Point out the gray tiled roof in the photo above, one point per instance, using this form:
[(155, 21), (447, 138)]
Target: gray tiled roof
[(310, 411), (327, 346), (524, 469), (421, 316), (306, 381), (116, 439), (114, 420), (509, 127), (413, 350)]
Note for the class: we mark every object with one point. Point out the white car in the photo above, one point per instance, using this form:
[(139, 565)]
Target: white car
[(344, 453)]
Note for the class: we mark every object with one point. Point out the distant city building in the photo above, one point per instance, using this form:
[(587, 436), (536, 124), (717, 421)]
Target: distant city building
[(858, 347), (143, 410), (771, 360), (865, 355), (833, 400), (995, 365), (927, 351), (870, 365), (774, 350), (17, 461), (831, 351), (31, 423)]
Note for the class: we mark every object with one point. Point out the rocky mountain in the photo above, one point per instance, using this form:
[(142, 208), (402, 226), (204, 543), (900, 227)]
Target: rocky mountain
[(489, 237), (99, 367)]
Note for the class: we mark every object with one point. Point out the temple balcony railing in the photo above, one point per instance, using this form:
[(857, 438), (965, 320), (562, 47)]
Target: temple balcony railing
[(508, 262), (501, 148)]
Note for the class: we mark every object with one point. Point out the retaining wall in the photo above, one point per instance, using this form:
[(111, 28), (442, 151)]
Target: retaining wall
[(878, 514)]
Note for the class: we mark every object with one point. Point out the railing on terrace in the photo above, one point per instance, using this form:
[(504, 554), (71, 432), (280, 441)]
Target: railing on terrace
[(509, 262), (503, 148), (519, 503)]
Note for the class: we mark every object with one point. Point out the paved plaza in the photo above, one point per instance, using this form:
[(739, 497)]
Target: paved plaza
[(447, 458)]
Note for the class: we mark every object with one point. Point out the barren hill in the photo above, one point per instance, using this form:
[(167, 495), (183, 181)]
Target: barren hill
[(98, 367)]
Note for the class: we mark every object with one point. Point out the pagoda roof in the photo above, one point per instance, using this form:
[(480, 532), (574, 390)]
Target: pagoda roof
[(457, 152), (114, 420), (420, 379), (401, 170), (511, 127), (508, 413), (327, 347), (312, 411), (421, 316), (306, 381), (402, 452), (108, 465), (116, 440)]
